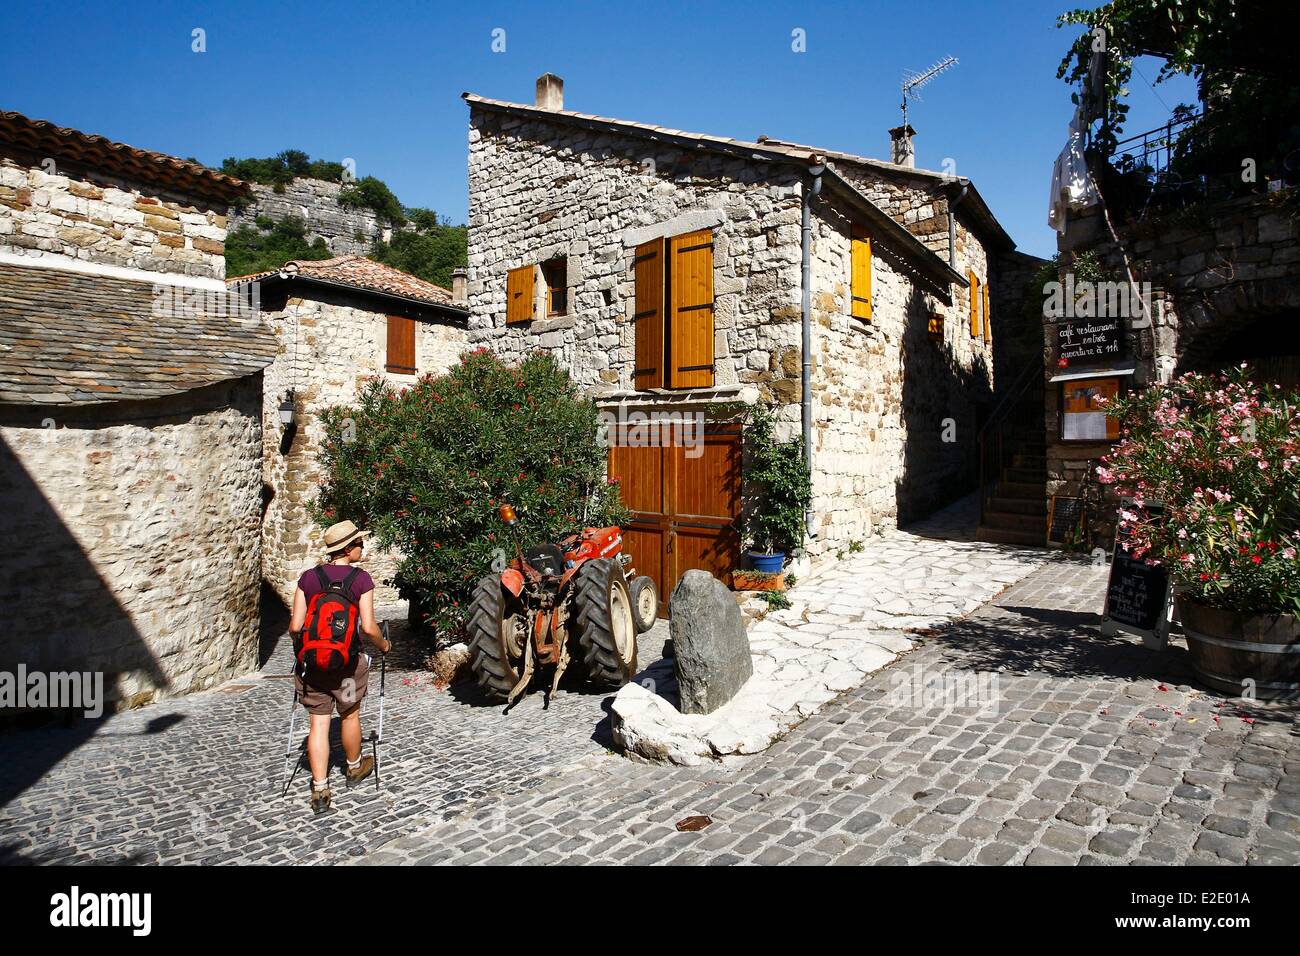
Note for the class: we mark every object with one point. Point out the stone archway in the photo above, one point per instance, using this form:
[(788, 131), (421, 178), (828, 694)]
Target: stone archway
[(1257, 322)]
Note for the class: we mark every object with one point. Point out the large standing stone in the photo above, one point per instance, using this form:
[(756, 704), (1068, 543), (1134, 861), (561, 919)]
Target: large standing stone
[(709, 643)]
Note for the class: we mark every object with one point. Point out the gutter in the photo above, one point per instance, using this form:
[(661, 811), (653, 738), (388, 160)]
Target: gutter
[(812, 190)]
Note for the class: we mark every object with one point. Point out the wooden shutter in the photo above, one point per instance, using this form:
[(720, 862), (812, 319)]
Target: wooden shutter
[(401, 345), (520, 290), (690, 318), (860, 280), (648, 319), (988, 326), (974, 306)]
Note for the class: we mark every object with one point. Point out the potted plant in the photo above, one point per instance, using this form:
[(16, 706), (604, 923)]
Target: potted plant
[(1223, 457), (777, 479)]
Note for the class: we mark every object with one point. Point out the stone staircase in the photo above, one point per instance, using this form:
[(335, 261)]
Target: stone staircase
[(1013, 468), (1015, 509)]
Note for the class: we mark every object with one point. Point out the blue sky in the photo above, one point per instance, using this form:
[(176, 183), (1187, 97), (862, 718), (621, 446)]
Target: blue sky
[(381, 82)]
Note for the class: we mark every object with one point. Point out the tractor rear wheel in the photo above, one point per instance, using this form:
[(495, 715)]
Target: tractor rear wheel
[(496, 630), (603, 623)]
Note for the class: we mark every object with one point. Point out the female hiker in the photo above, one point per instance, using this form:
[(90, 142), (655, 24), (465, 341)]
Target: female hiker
[(333, 604)]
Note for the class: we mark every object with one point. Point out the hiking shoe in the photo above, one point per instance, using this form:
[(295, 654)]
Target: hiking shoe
[(361, 771), (320, 800)]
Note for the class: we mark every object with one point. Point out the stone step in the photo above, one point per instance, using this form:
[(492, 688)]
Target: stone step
[(1015, 521), (1033, 539), (1025, 460), (1021, 489), (1025, 476), (1020, 506)]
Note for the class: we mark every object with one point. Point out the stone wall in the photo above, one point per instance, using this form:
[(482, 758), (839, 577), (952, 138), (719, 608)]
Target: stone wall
[(347, 230), (894, 411), (132, 531), (328, 351), (1215, 270), (102, 219)]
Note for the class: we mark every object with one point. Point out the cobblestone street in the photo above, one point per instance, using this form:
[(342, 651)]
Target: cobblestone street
[(1070, 748)]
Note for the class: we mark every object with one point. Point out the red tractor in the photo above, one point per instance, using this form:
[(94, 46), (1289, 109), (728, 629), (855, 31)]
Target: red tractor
[(576, 603)]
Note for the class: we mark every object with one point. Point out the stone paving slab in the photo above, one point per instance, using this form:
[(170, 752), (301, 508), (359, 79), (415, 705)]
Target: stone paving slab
[(848, 619), (1089, 750)]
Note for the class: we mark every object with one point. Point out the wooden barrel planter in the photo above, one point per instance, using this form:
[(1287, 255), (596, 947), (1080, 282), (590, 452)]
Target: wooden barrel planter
[(1230, 648)]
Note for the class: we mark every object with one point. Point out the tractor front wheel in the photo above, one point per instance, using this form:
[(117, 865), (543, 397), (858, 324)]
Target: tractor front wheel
[(603, 623), (497, 628)]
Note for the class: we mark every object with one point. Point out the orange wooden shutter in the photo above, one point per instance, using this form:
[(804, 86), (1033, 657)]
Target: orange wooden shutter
[(648, 271), (401, 345), (974, 306), (690, 320), (860, 280), (520, 288), (988, 326)]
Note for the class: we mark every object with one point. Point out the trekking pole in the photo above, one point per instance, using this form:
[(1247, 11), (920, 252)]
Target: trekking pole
[(286, 777), (377, 736)]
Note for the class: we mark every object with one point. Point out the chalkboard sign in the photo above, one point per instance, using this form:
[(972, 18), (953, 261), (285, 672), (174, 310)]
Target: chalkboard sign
[(1064, 517), (1088, 342), (1137, 593)]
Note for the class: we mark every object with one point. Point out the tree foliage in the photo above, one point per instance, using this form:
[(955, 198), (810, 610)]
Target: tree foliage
[(426, 467), (249, 250), (431, 249), (374, 194), (1224, 45), (282, 168)]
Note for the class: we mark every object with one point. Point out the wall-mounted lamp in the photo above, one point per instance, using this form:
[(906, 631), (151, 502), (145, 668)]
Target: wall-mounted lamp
[(286, 410)]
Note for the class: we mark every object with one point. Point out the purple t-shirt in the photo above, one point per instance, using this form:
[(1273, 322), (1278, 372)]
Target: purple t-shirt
[(310, 583)]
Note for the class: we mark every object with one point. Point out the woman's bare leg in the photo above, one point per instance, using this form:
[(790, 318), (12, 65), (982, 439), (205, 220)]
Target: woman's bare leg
[(318, 746)]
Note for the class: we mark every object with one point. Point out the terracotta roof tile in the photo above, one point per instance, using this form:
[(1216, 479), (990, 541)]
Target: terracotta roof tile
[(74, 339), (358, 272), (40, 138)]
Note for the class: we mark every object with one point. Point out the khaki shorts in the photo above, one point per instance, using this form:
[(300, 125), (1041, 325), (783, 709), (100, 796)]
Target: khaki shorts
[(320, 693)]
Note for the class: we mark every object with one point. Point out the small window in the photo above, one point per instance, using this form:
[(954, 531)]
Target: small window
[(401, 345), (1083, 416), (555, 274)]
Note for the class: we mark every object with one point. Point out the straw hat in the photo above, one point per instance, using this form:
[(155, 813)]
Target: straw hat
[(340, 536)]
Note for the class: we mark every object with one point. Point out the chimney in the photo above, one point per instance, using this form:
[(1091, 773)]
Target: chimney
[(902, 152), (550, 92), (458, 278)]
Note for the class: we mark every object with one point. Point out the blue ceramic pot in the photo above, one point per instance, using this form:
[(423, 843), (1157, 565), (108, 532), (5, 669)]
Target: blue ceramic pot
[(767, 563)]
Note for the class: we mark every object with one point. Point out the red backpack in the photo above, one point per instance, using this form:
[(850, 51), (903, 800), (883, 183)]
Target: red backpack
[(328, 639)]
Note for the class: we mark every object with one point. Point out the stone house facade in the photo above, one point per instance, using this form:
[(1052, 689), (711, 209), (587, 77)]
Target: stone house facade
[(568, 213), (1219, 284), (339, 323), (130, 427)]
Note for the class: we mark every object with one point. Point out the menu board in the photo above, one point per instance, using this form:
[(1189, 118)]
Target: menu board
[(1083, 415), (1088, 342), (1137, 593), (1064, 516)]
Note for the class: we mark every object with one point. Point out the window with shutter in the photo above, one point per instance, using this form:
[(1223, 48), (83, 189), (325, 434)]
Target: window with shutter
[(988, 325), (520, 292), (556, 275), (974, 306), (401, 345), (648, 318), (690, 318), (860, 278)]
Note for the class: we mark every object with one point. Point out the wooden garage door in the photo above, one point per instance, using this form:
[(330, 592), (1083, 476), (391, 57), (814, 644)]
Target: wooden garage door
[(685, 506)]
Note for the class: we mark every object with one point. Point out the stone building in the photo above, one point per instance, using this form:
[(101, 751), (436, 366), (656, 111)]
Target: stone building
[(677, 273), (1215, 284), (130, 426), (339, 323)]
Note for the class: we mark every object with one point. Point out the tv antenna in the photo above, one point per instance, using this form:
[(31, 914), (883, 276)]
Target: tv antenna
[(913, 81)]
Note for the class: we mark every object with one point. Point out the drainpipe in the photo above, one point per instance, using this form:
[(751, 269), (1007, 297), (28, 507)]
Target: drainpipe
[(952, 224), (813, 189)]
